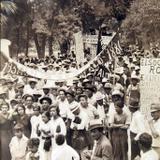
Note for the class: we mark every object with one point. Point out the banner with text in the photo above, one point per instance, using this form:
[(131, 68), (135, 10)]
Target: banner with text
[(150, 83)]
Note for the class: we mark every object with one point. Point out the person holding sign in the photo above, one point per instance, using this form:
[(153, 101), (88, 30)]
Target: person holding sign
[(154, 124)]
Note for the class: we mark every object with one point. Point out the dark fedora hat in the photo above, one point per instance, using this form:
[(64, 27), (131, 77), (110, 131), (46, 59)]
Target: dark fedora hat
[(82, 95), (70, 92), (91, 88), (49, 100)]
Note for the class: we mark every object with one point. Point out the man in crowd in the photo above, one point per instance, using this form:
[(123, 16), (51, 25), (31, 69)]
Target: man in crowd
[(145, 144), (102, 148)]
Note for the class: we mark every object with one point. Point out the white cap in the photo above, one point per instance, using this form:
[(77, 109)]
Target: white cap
[(117, 92)]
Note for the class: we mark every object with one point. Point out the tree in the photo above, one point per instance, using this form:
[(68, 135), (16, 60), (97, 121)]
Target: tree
[(142, 24), (6, 8), (53, 21)]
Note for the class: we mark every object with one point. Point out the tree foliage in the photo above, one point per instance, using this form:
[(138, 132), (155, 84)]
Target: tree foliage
[(6, 8), (143, 23), (50, 21)]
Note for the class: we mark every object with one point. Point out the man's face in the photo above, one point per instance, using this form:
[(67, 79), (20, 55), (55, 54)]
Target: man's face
[(32, 84), (4, 108), (79, 91), (155, 115), (95, 134), (70, 98), (34, 149), (108, 90), (45, 104), (134, 82), (62, 95), (53, 112), (83, 101), (88, 93), (54, 91), (100, 102), (9, 85), (29, 101), (116, 98), (46, 90)]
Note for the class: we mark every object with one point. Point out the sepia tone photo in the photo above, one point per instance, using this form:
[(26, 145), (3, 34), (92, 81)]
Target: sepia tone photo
[(80, 80)]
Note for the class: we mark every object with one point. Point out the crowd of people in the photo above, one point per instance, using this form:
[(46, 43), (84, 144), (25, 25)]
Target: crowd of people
[(96, 116)]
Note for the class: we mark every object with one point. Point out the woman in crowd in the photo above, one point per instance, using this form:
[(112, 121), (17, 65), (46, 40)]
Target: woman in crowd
[(44, 132), (119, 127), (5, 131), (57, 123), (23, 118), (35, 120)]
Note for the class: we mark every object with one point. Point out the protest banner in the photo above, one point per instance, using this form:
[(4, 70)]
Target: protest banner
[(15, 68), (92, 39), (150, 83)]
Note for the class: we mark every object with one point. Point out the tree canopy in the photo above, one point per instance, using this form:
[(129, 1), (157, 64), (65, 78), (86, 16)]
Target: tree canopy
[(50, 21), (142, 25)]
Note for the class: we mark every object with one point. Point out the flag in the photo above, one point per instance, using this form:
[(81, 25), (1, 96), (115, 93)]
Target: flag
[(99, 46)]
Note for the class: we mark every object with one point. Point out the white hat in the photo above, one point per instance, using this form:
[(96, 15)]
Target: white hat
[(132, 65), (46, 86), (108, 85), (134, 76), (119, 70), (137, 68), (3, 90), (96, 123), (99, 96), (117, 92), (32, 80), (104, 80)]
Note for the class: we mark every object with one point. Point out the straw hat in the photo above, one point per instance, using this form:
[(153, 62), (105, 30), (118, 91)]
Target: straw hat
[(95, 124), (155, 107)]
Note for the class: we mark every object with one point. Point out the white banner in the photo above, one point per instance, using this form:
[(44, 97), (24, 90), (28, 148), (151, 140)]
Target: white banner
[(92, 39), (150, 83), (56, 76)]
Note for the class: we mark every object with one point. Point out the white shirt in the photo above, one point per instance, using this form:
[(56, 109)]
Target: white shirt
[(35, 120), (11, 94), (29, 111), (150, 155), (156, 141), (138, 124), (64, 152), (84, 121), (64, 108), (18, 147), (29, 90), (58, 122), (47, 127), (101, 111), (91, 111)]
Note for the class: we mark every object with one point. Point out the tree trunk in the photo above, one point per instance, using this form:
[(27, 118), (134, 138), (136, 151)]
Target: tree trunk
[(50, 45), (18, 39), (40, 42), (64, 47), (28, 38)]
